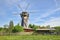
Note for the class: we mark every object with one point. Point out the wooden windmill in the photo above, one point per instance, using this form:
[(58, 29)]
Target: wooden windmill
[(24, 16)]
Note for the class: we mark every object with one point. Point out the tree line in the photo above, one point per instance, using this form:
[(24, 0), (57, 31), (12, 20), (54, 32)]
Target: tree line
[(18, 28), (11, 28)]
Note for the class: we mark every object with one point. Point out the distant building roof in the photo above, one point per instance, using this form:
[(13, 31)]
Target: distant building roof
[(41, 29), (45, 29)]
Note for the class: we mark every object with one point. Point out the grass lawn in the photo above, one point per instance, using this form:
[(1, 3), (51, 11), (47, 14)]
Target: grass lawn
[(31, 37)]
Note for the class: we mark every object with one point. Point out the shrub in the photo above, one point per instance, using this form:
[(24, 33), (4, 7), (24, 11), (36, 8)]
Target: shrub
[(17, 28)]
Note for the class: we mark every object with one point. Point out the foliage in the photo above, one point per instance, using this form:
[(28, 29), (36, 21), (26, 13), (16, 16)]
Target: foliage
[(48, 26), (31, 37), (17, 28), (30, 25), (6, 26), (57, 29), (11, 26), (34, 27), (1, 28)]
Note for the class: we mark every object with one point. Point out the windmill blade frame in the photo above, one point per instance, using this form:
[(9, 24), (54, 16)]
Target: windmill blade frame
[(20, 7), (27, 6)]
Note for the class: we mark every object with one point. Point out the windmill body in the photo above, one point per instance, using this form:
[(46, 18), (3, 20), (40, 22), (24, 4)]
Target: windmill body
[(24, 16), (24, 21)]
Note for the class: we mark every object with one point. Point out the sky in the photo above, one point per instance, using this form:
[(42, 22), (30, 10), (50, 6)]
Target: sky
[(41, 12)]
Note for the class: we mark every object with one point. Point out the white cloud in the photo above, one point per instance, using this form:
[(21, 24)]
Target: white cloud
[(50, 12), (46, 15), (11, 2), (53, 22)]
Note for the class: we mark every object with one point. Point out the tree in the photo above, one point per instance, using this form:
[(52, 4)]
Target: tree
[(18, 28), (1, 28), (57, 29), (34, 27), (30, 25), (11, 26), (48, 26), (5, 26)]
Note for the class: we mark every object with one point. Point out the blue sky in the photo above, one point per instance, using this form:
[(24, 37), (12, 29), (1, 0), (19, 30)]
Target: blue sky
[(41, 12)]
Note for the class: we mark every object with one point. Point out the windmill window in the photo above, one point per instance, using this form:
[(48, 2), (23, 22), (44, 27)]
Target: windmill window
[(24, 15)]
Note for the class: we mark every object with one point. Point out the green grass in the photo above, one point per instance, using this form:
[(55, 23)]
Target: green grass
[(31, 37)]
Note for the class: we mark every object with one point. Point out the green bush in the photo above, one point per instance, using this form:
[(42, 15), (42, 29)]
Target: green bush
[(34, 27), (0, 28), (17, 28), (57, 29)]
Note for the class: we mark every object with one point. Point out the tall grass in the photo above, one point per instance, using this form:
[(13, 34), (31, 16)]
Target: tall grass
[(31, 37)]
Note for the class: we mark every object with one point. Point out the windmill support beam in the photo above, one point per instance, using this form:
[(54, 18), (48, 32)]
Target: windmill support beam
[(24, 21)]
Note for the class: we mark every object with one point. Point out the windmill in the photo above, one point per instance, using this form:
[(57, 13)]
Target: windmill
[(24, 16)]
